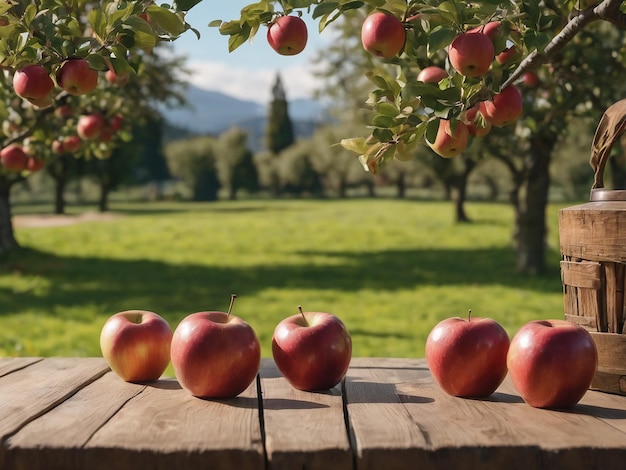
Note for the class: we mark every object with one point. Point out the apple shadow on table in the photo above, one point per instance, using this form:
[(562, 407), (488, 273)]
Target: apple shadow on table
[(164, 384), (363, 391), (595, 411)]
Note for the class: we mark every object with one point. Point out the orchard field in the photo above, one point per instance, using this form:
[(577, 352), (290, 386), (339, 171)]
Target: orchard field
[(390, 269)]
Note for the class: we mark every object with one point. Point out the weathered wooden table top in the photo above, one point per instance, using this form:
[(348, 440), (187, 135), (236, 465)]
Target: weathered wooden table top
[(73, 413)]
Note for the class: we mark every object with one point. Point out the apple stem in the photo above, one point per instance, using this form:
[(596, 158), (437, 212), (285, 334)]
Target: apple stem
[(232, 301), (469, 315), (302, 313)]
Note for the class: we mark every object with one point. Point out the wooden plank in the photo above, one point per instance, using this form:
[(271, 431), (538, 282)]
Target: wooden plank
[(55, 440), (585, 274), (302, 429), (164, 427), (383, 432), (11, 364), (611, 352), (30, 392), (614, 291)]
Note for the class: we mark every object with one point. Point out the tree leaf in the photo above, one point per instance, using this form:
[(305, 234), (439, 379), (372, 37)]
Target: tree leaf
[(166, 19), (185, 5)]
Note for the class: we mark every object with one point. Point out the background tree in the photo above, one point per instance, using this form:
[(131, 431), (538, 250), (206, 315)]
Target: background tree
[(279, 133), (193, 161), (235, 163)]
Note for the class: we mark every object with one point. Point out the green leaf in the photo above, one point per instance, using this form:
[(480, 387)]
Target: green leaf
[(97, 62), (167, 20), (324, 9), (98, 22), (355, 144), (431, 130), (4, 7), (237, 40), (384, 122), (440, 38), (387, 109), (185, 5), (215, 24)]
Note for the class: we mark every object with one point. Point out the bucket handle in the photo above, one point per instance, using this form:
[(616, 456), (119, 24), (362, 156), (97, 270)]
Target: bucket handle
[(610, 128)]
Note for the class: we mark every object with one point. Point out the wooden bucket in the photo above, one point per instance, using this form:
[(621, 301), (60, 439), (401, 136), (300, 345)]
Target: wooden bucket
[(593, 266)]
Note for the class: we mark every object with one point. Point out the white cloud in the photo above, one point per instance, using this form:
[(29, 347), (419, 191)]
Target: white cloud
[(253, 83)]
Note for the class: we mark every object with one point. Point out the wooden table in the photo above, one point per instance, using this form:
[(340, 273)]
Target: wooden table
[(71, 413)]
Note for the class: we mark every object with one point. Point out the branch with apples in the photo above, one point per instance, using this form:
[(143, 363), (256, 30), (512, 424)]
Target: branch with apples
[(447, 71)]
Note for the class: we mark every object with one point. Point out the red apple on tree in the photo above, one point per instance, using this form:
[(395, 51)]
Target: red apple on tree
[(432, 74), (530, 79), (13, 158), (33, 83), (552, 362), (471, 54), (287, 35), (491, 29), (449, 143), (136, 345), (467, 357), (509, 54), (34, 164), (475, 120), (215, 354), (57, 146), (505, 107), (115, 78), (90, 126), (312, 350), (76, 77), (383, 35), (72, 143)]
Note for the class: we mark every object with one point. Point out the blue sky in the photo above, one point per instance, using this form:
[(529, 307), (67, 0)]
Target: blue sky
[(249, 71)]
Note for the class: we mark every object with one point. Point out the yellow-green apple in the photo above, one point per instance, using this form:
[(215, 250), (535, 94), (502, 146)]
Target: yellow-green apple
[(312, 350), (76, 77), (505, 107), (90, 126), (383, 35), (287, 35), (552, 362), (136, 345), (215, 354), (33, 83), (467, 357), (448, 142), (13, 157), (432, 74), (34, 164), (471, 54), (475, 120)]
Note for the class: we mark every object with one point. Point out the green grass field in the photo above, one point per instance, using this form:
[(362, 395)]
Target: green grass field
[(390, 269)]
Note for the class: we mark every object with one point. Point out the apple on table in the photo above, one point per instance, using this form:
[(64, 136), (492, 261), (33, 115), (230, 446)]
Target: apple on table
[(215, 354), (312, 350), (136, 345), (467, 356), (552, 363)]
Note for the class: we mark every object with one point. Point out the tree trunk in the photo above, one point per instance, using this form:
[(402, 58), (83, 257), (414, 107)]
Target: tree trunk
[(530, 204), (59, 195), (103, 202), (7, 235), (461, 191), (401, 186)]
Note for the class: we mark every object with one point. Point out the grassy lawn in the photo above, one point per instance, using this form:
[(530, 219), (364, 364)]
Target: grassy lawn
[(390, 269)]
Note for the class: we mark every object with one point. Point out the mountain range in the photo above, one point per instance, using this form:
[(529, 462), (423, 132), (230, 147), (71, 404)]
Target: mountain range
[(212, 112)]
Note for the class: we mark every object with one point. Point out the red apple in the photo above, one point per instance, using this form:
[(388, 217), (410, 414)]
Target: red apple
[(312, 350), (72, 143), (33, 83), (471, 54), (491, 29), (287, 35), (76, 77), (467, 357), (530, 79), (64, 111), (215, 354), (432, 74), (383, 35), (13, 157), (475, 120), (136, 345), (552, 362), (57, 146), (90, 126), (505, 107), (449, 144), (117, 79), (35, 164), (509, 54), (116, 122)]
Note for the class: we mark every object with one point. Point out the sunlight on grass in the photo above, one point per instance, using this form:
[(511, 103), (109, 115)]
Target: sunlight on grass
[(390, 269)]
